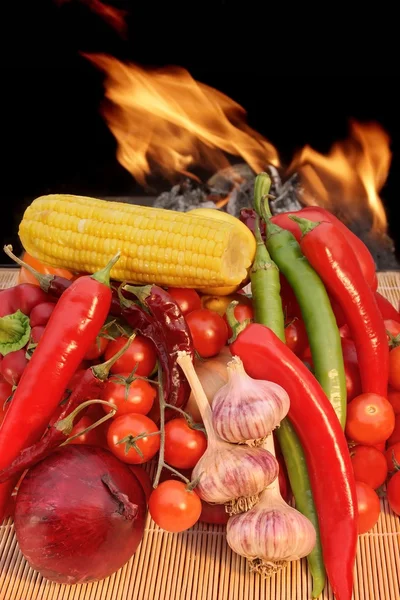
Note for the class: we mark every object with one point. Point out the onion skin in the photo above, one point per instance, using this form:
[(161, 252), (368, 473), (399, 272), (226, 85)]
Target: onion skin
[(79, 515)]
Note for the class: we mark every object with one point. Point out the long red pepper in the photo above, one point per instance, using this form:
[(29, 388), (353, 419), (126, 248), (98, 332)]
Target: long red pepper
[(265, 356), (330, 254), (73, 326)]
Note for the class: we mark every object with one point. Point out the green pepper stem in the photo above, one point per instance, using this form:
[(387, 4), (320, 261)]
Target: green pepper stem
[(102, 371), (44, 280), (103, 276), (233, 323), (305, 225), (262, 186), (142, 292)]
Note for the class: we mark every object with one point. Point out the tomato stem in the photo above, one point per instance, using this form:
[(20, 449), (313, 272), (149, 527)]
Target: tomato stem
[(162, 428), (67, 423)]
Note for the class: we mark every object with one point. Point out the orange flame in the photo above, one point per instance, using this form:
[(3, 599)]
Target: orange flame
[(164, 120), (350, 176), (115, 17)]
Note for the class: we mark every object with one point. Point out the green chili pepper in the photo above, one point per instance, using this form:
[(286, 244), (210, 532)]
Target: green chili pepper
[(319, 319), (267, 303)]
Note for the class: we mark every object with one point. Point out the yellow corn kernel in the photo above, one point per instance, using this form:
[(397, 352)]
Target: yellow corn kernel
[(157, 245)]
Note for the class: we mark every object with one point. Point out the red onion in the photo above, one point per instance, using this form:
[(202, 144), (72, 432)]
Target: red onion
[(79, 515)]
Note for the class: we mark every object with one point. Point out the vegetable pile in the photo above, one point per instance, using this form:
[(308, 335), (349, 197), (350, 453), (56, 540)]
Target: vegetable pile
[(275, 414)]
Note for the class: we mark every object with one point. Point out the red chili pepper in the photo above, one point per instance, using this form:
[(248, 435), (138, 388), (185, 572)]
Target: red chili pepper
[(330, 254), (73, 326), (317, 214), (265, 356), (23, 297)]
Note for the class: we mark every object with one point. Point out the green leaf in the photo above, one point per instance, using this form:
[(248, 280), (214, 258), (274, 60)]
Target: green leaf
[(15, 331)]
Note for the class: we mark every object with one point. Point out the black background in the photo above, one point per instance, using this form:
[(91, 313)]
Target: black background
[(54, 138)]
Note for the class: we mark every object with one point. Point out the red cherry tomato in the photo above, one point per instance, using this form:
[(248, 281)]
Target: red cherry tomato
[(392, 328), (242, 312), (183, 446), (121, 434), (368, 507), (173, 507), (12, 366), (187, 299), (141, 352), (97, 348), (369, 465), (345, 332), (370, 419), (296, 336), (144, 480), (37, 333), (393, 493), (394, 368), (392, 456), (5, 395), (94, 437), (394, 399), (209, 331), (395, 437), (135, 397), (40, 313), (353, 380)]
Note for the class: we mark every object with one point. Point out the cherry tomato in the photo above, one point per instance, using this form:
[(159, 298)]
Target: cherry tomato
[(187, 299), (242, 312), (290, 305), (381, 447), (392, 456), (144, 480), (126, 428), (135, 397), (37, 333), (183, 446), (94, 437), (393, 493), (369, 465), (370, 419), (345, 332), (368, 507), (173, 507), (214, 514), (395, 437), (41, 313), (338, 312), (296, 336), (12, 366), (394, 368), (209, 331), (97, 348), (141, 352), (394, 399), (353, 380), (349, 350), (392, 329), (25, 277)]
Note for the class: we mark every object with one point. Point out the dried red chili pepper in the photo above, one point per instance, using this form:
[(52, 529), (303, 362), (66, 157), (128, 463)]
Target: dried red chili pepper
[(265, 356), (72, 328), (330, 254), (167, 313)]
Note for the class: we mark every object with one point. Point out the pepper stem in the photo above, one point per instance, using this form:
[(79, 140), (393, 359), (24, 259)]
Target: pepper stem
[(262, 186), (305, 225), (102, 371), (142, 292), (234, 324), (44, 280), (103, 276)]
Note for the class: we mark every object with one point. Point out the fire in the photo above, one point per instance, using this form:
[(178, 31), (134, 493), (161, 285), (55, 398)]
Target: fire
[(349, 178), (166, 121), (115, 17)]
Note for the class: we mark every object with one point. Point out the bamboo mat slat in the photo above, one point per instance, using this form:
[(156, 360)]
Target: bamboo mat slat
[(198, 564)]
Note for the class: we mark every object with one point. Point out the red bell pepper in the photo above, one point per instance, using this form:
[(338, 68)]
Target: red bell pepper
[(316, 214), (328, 460), (330, 254)]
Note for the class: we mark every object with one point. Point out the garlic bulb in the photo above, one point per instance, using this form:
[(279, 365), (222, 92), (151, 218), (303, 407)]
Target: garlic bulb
[(247, 409), (227, 474), (270, 534), (234, 475)]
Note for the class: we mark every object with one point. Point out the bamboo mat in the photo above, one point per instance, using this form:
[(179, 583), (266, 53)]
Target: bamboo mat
[(198, 564)]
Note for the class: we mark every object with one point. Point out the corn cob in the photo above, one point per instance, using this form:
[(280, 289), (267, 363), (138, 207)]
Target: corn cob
[(157, 245)]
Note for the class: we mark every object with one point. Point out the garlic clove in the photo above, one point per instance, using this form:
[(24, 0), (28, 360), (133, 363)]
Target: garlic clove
[(271, 534), (247, 409), (234, 475)]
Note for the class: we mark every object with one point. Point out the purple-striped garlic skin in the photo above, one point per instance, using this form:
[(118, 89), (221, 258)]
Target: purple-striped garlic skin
[(247, 409)]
